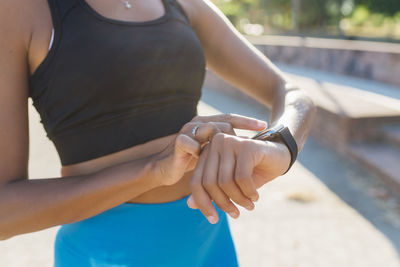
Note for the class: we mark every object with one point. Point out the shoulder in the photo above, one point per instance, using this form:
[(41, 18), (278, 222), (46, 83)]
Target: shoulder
[(19, 10), (18, 19), (197, 10)]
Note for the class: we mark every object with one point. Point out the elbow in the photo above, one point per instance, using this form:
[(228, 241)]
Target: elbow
[(8, 227), (4, 237), (312, 107), (4, 233), (11, 228), (307, 106), (299, 95), (5, 228)]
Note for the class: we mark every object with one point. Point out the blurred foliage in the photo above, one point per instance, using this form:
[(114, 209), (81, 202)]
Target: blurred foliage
[(387, 7), (365, 18)]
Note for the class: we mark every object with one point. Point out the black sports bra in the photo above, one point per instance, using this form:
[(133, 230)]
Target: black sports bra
[(107, 85)]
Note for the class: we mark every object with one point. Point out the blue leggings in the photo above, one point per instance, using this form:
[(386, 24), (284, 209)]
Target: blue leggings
[(146, 235)]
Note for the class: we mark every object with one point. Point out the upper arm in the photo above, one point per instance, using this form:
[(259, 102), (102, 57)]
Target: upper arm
[(14, 134), (230, 54)]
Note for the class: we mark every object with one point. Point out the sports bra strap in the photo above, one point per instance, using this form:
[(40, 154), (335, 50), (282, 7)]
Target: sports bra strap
[(178, 6), (59, 9), (64, 6)]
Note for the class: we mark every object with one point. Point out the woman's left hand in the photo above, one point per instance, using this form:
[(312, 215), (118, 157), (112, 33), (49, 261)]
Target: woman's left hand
[(232, 168)]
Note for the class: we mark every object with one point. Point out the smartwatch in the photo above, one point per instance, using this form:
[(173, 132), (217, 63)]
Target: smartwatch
[(281, 133)]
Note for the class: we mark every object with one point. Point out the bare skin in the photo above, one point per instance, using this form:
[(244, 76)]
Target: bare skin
[(131, 175), (157, 195)]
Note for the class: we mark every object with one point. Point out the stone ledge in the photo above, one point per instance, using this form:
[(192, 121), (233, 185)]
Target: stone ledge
[(380, 158), (392, 134), (369, 60), (337, 44), (344, 114)]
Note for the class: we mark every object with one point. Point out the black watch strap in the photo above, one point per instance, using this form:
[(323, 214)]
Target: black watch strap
[(289, 141), (283, 134)]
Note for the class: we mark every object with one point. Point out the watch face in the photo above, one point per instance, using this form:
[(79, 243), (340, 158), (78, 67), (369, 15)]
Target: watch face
[(257, 136), (269, 133)]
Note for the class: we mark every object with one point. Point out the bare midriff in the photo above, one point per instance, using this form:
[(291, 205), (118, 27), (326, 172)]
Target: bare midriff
[(158, 195)]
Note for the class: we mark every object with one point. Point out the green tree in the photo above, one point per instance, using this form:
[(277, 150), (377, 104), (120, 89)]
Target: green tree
[(387, 7), (330, 17)]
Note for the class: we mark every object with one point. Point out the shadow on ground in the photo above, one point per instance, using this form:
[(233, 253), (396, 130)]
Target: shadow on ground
[(341, 176)]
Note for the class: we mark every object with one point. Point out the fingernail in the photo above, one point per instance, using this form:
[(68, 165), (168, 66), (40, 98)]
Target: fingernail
[(254, 199), (233, 214), (190, 202), (249, 207), (212, 219), (261, 123)]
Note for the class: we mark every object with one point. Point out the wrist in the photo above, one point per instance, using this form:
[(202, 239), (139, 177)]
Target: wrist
[(276, 156), (144, 172), (284, 156), (154, 171), (282, 134)]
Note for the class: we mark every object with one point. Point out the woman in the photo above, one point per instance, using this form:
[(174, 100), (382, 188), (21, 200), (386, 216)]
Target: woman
[(116, 84)]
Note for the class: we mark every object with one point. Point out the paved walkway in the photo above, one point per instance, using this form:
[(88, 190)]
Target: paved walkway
[(375, 89), (317, 215)]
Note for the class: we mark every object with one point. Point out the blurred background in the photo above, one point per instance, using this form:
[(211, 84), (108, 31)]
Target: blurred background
[(340, 203), (346, 19)]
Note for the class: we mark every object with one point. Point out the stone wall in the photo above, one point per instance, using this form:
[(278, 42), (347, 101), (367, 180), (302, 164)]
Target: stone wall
[(369, 60)]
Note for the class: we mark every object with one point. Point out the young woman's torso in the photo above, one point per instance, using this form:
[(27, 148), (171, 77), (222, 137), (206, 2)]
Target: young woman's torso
[(142, 10)]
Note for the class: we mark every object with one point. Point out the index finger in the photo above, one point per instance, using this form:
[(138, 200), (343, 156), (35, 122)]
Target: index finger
[(237, 121), (199, 196)]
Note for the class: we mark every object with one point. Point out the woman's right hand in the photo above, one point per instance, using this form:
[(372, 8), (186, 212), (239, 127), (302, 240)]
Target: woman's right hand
[(181, 155)]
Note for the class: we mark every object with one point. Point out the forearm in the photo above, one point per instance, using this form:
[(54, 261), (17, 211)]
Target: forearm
[(289, 104), (293, 108), (32, 205)]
